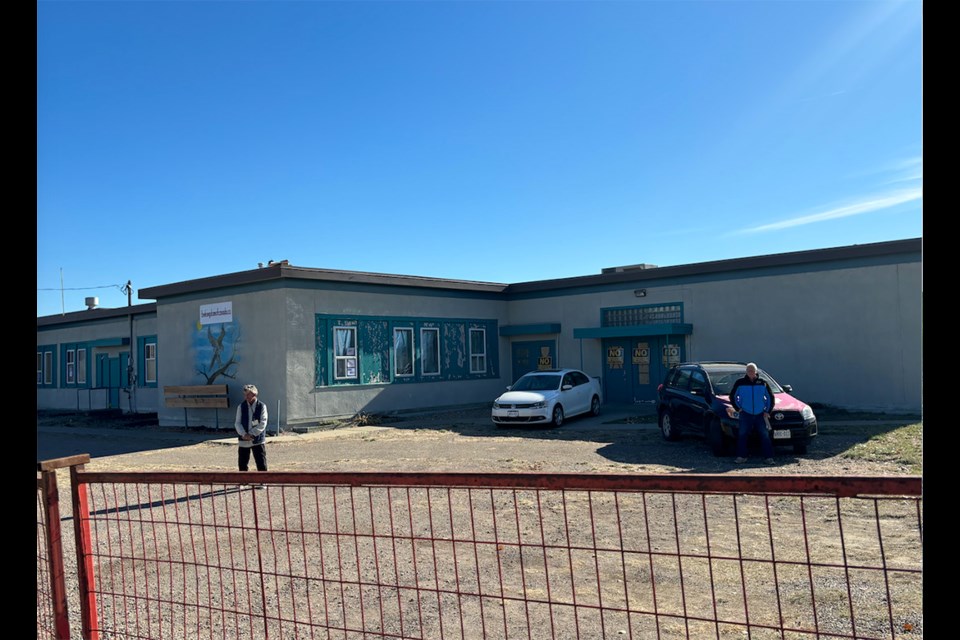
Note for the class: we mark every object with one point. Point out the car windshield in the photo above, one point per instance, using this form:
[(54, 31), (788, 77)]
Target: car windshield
[(723, 379), (539, 382)]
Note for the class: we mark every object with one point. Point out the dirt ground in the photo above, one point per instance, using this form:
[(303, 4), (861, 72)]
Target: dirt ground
[(464, 441), (457, 441)]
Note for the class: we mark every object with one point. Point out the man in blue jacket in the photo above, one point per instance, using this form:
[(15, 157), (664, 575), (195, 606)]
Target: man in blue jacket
[(754, 400)]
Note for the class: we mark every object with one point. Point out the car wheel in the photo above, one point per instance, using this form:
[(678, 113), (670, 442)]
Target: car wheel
[(800, 448), (718, 442), (595, 406), (557, 416), (667, 428)]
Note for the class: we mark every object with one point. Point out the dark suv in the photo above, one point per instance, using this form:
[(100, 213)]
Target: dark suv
[(694, 398)]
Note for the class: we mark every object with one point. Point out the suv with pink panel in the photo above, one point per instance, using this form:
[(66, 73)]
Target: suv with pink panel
[(694, 398)]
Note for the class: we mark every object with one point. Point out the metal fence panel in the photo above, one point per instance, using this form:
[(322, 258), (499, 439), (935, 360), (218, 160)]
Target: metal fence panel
[(52, 619), (502, 556)]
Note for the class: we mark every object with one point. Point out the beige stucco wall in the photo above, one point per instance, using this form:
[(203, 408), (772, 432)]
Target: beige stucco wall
[(849, 337)]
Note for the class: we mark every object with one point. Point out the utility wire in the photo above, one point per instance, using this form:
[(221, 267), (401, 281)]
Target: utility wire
[(106, 286)]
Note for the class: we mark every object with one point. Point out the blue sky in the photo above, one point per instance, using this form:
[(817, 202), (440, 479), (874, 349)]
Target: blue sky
[(486, 140)]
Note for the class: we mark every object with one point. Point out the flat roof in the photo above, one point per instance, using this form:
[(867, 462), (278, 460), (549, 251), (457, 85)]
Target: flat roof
[(97, 314), (914, 245), (284, 271)]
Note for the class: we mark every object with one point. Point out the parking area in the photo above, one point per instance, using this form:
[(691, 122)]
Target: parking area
[(620, 440)]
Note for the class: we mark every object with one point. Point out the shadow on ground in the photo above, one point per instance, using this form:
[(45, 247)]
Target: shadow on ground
[(110, 433)]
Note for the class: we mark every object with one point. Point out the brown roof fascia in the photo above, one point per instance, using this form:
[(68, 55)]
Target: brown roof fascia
[(286, 271), (97, 314), (718, 266)]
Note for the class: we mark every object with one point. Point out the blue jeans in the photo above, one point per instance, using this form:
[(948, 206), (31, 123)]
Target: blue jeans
[(749, 423)]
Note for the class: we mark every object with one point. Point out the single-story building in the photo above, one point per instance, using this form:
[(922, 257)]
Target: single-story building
[(841, 325)]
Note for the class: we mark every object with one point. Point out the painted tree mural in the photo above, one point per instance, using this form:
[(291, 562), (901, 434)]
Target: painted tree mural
[(215, 348)]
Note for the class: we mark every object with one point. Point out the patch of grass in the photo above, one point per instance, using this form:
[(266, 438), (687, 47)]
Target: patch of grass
[(903, 445), (830, 412)]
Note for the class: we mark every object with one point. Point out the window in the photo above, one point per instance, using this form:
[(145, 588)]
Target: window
[(383, 350), (402, 353), (579, 378), (478, 350), (683, 379), (71, 366), (698, 382), (81, 366), (345, 353), (150, 362), (48, 367), (39, 367), (430, 351)]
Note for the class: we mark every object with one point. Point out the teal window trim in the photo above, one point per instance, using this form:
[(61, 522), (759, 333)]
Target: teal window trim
[(350, 356), (83, 366), (529, 329), (481, 357), (48, 366), (71, 376), (69, 367), (142, 342), (635, 331), (625, 314), (453, 335), (403, 340), (425, 347)]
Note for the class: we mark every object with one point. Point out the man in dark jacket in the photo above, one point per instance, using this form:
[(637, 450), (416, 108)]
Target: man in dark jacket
[(753, 399), (251, 425)]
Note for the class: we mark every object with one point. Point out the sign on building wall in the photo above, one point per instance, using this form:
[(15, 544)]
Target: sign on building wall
[(216, 313), (671, 355), (641, 359), (615, 357), (544, 361)]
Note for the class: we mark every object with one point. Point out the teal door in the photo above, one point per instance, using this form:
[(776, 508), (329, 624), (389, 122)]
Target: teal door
[(108, 377), (617, 383), (635, 367), (533, 355)]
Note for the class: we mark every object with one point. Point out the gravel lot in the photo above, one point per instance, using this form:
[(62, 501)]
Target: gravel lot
[(449, 441), (465, 441)]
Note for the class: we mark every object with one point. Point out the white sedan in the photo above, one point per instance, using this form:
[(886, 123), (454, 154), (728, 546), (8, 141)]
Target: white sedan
[(548, 396)]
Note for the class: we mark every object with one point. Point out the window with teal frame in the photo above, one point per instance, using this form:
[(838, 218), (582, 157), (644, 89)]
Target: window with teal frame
[(380, 350), (81, 366), (71, 365), (75, 369), (47, 365), (430, 351), (478, 350), (147, 370), (403, 352)]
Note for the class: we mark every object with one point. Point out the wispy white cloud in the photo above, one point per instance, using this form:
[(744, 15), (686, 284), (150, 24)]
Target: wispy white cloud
[(868, 205), (821, 97), (908, 170)]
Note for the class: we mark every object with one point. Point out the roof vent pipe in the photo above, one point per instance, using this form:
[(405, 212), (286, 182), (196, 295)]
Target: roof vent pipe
[(92, 303)]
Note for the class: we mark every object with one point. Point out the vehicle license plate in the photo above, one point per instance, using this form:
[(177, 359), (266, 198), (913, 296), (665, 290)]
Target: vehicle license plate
[(513, 413), (781, 433)]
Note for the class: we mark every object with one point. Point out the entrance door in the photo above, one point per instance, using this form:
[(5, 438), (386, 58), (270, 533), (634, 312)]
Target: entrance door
[(617, 383), (635, 367), (108, 377), (533, 355)]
